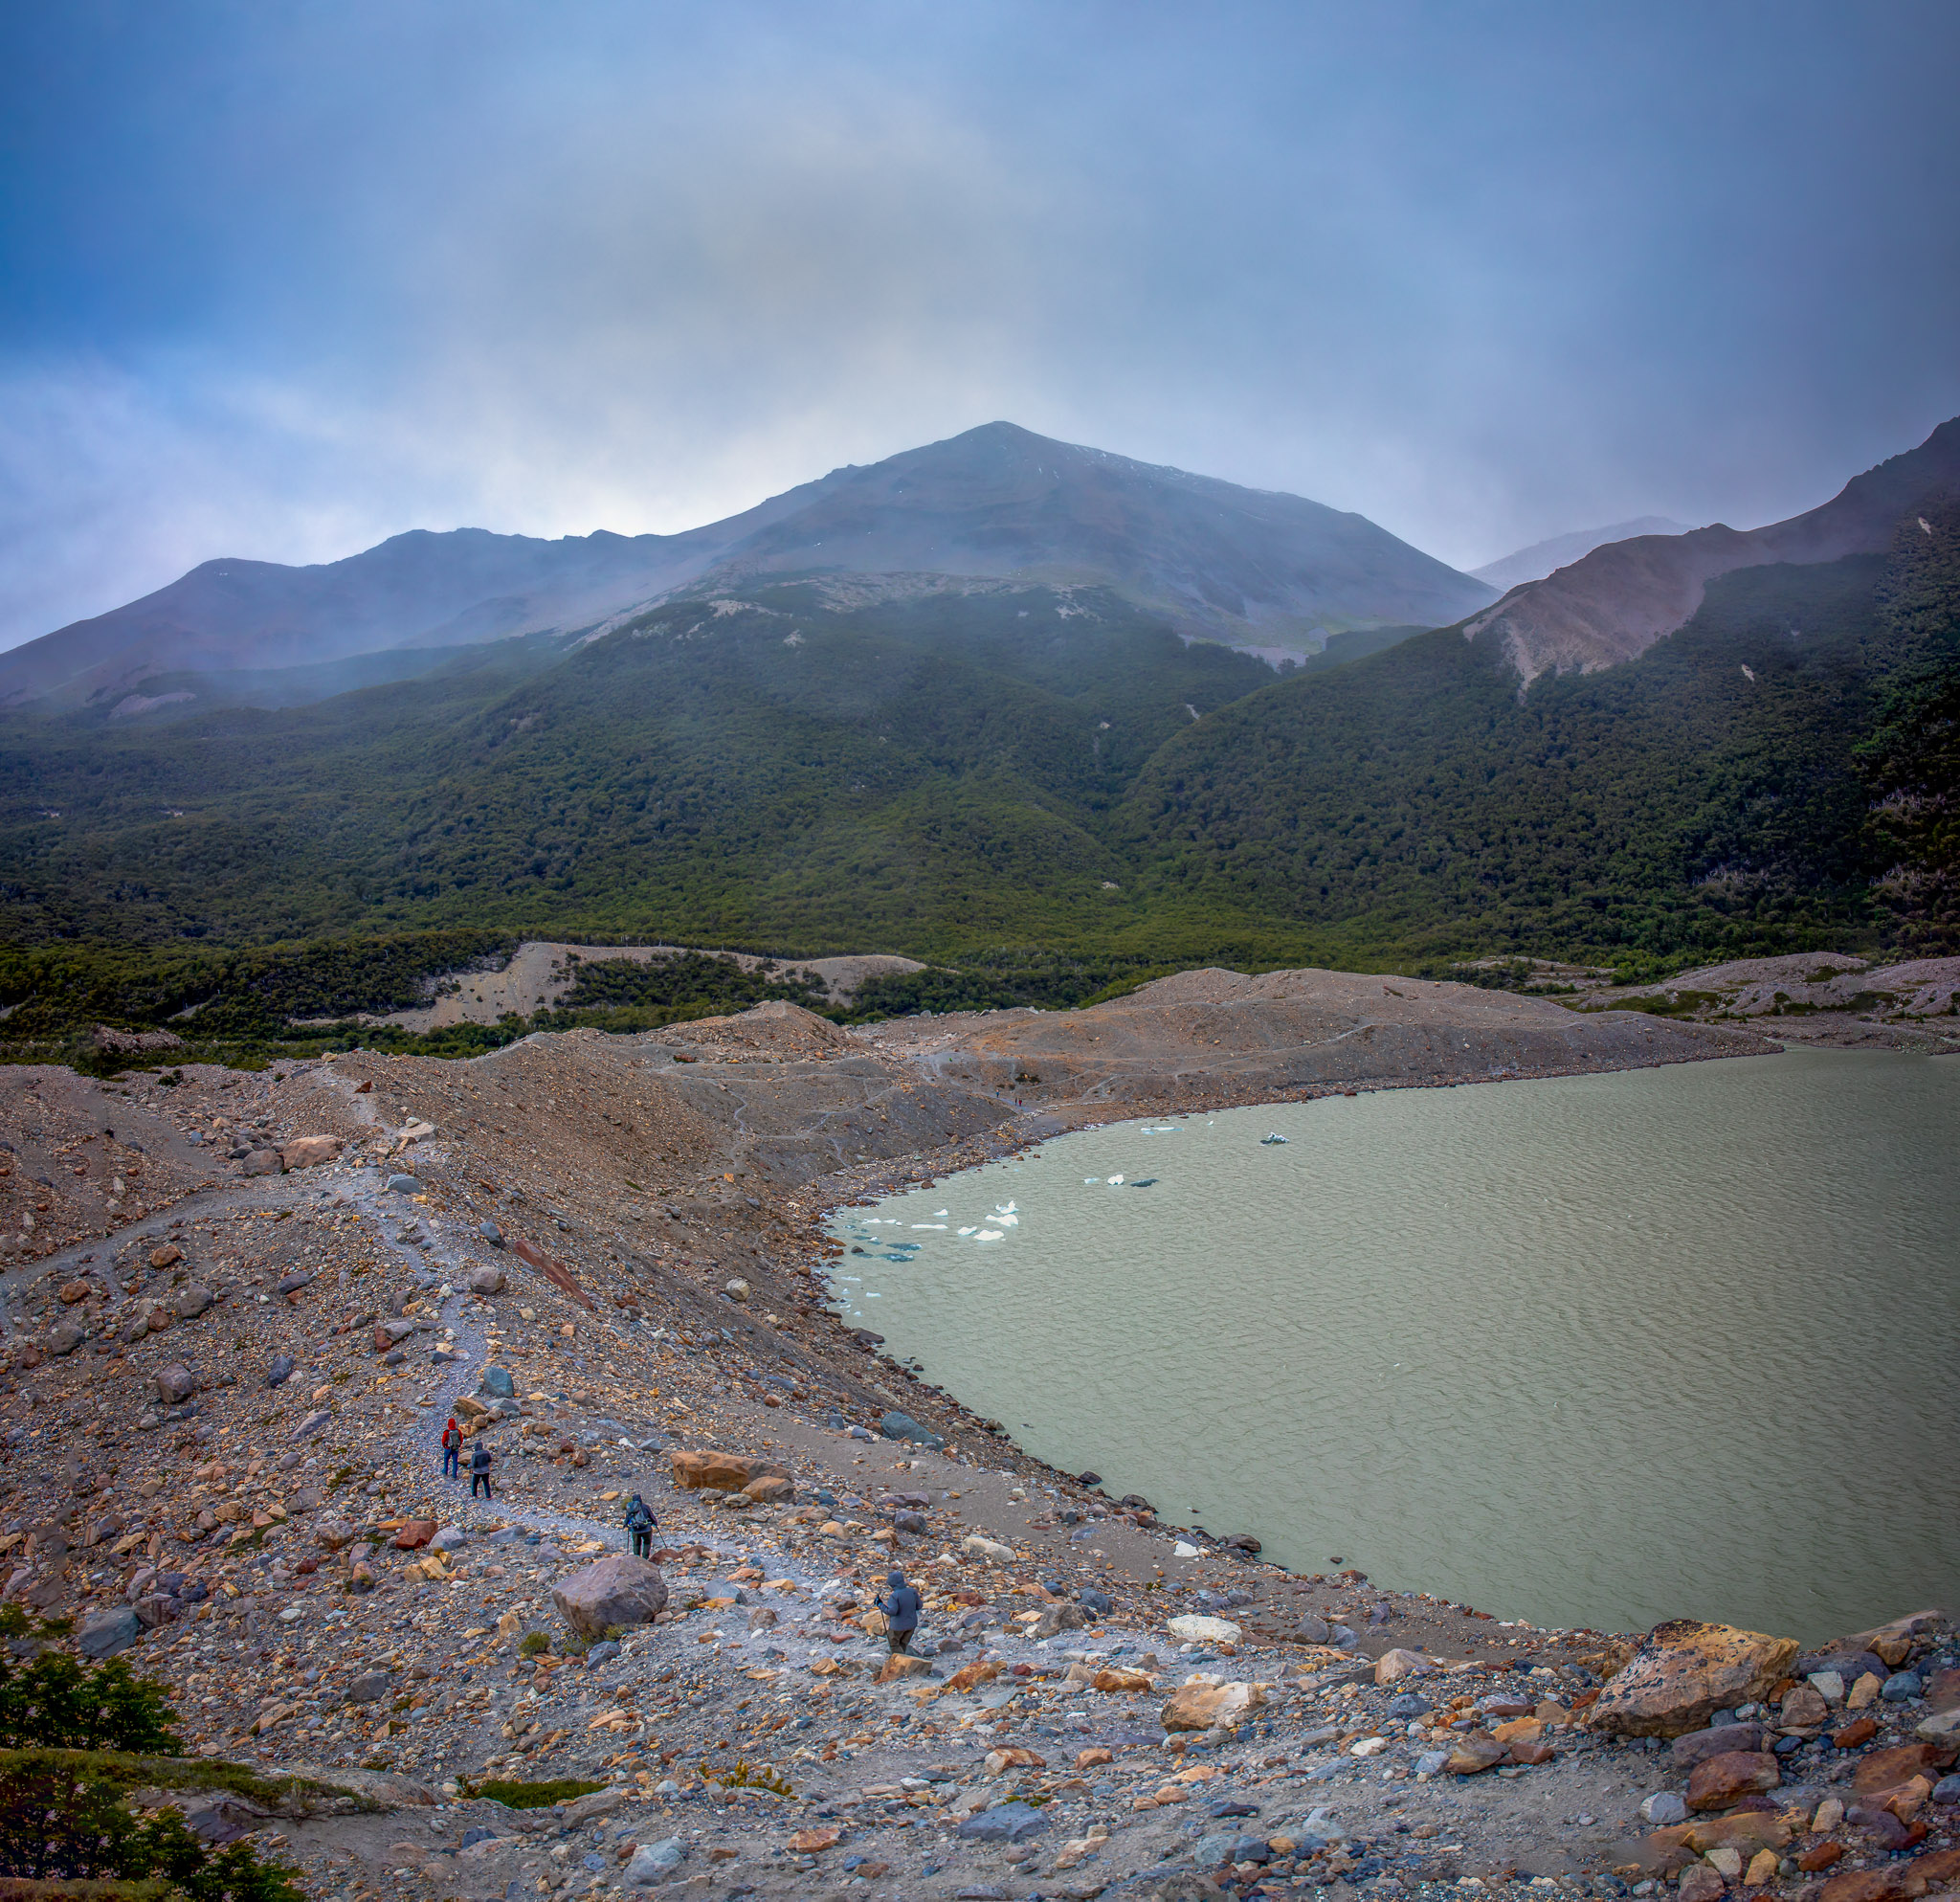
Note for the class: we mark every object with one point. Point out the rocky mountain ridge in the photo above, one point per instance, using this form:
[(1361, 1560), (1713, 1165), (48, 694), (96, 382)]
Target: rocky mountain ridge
[(1615, 603), (1218, 561)]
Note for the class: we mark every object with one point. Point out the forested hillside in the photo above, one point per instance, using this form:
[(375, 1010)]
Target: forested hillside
[(1046, 788)]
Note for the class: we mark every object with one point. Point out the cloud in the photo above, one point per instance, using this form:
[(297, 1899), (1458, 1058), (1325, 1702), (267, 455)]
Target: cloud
[(290, 282)]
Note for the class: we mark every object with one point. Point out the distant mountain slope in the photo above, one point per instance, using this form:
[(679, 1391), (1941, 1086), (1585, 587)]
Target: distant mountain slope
[(1535, 562), (1619, 600), (1225, 563)]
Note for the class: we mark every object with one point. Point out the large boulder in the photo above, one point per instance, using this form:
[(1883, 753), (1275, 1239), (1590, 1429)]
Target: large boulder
[(495, 1382), (311, 1152), (105, 1632), (486, 1280), (1203, 1706), (1684, 1673), (611, 1591), (724, 1473)]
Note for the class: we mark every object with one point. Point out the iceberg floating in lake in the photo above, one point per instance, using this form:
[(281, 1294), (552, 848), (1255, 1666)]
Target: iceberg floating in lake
[(988, 1235), (1266, 1142)]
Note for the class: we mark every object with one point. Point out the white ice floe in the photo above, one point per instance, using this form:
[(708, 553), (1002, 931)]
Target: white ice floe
[(988, 1235)]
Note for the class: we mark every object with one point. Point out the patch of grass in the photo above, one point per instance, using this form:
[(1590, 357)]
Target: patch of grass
[(532, 1644), (526, 1795), (742, 1775)]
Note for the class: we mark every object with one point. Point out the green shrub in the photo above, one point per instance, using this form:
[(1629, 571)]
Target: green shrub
[(527, 1796), (58, 1703), (60, 1819), (532, 1644)]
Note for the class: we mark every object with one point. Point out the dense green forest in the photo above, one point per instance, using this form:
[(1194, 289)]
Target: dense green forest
[(1043, 793)]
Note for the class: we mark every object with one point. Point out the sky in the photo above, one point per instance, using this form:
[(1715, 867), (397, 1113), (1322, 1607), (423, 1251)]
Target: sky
[(279, 282)]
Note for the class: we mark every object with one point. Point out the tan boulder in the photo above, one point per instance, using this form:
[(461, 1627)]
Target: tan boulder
[(1014, 1758), (311, 1152), (1892, 1881), (1204, 1706), (969, 1675), (722, 1472), (1114, 1679), (1804, 1709), (772, 1489), (1684, 1672), (1391, 1667), (901, 1663), (1468, 1754)]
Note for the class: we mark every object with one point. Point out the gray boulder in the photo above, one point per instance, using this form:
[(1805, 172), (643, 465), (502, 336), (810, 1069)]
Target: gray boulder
[(616, 1590), (65, 1338), (1004, 1823), (191, 1301), (655, 1862), (405, 1185), (497, 1383), (105, 1632), (897, 1425), (369, 1688), (486, 1280)]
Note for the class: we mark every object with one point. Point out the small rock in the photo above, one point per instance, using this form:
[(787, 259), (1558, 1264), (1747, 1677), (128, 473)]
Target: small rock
[(191, 1301), (1098, 1604), (1193, 1628), (486, 1280), (1724, 1780), (1310, 1630), (602, 1653), (404, 1185), (1700, 1883), (1902, 1688), (262, 1162), (492, 1234), (311, 1425), (175, 1384), (1947, 1790), (1698, 1746), (280, 1371), (1664, 1808), (65, 1338), (166, 1256), (495, 1382), (1829, 1685), (369, 1688), (1409, 1703), (293, 1282)]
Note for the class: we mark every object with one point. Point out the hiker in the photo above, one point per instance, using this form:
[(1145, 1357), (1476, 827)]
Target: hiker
[(479, 1470), (641, 1523), (901, 1611), (452, 1448)]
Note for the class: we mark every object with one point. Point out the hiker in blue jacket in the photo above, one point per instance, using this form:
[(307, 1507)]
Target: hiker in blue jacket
[(901, 1611)]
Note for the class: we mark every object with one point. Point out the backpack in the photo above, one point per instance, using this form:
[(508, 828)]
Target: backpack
[(452, 1438)]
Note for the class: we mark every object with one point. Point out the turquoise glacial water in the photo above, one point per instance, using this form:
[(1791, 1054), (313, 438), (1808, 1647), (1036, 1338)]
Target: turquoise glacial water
[(1587, 1351)]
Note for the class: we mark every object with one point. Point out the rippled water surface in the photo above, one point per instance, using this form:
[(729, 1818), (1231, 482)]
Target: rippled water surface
[(1590, 1351)]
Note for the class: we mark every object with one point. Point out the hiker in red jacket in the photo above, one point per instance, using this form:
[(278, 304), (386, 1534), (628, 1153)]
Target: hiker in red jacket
[(452, 1448)]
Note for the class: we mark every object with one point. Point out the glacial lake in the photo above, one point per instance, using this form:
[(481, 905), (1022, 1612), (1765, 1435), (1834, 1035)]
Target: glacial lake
[(1601, 1350)]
